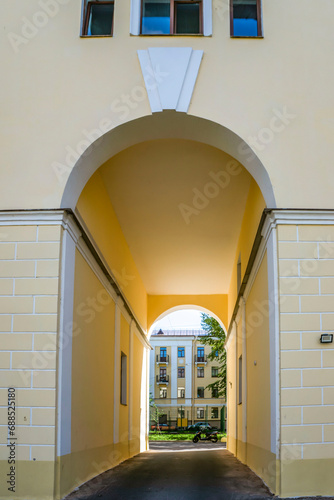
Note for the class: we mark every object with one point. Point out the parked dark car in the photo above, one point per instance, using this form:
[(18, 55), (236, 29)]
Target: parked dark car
[(200, 425)]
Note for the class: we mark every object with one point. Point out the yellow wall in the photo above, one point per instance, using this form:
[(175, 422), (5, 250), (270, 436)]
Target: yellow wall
[(92, 382), (123, 409), (259, 456), (159, 304), (231, 382), (250, 223), (76, 99), (97, 212), (136, 392)]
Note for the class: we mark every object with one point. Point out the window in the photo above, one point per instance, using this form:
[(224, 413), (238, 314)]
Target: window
[(163, 374), (200, 413), (246, 18), (200, 353), (163, 392), (240, 381), (239, 274), (200, 392), (215, 353), (214, 392), (180, 372), (200, 372), (98, 18), (214, 371), (180, 352), (214, 412), (180, 412), (163, 353), (168, 17), (124, 376), (180, 392)]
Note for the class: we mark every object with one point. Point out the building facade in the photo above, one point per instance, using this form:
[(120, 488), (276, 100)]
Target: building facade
[(154, 156), (180, 372)]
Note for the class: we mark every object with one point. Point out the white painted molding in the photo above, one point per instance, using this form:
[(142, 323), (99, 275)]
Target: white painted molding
[(207, 17), (170, 75), (29, 217), (274, 343), (135, 17), (64, 369), (299, 217)]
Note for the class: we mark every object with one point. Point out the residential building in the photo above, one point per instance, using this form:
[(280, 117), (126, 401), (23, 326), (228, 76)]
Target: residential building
[(180, 372)]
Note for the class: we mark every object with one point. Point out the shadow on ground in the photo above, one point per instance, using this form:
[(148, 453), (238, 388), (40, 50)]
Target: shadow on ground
[(177, 471)]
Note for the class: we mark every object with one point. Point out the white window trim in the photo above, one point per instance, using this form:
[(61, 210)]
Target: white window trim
[(135, 17)]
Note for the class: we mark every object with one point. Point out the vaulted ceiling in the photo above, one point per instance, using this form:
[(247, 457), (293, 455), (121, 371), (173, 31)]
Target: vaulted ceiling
[(182, 242)]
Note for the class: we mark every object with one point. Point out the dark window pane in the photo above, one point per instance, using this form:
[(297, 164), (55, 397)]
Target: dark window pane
[(187, 18), (100, 19), (156, 17), (245, 21)]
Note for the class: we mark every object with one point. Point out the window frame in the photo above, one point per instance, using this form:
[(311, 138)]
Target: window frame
[(240, 370), (214, 368), (172, 24), (214, 408), (163, 390), (198, 389), (87, 5), (259, 21), (179, 370), (181, 390), (214, 392), (200, 411), (182, 350), (124, 379), (200, 369)]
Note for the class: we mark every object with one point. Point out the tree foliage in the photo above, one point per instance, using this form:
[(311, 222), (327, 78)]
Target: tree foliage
[(215, 338), (155, 412)]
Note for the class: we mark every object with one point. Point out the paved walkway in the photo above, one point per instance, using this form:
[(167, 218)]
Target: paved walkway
[(177, 471)]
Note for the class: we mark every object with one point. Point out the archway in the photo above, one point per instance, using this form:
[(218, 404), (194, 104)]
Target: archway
[(126, 194), (187, 374), (190, 307), (167, 124)]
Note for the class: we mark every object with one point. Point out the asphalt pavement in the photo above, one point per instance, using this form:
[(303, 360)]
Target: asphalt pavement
[(177, 471)]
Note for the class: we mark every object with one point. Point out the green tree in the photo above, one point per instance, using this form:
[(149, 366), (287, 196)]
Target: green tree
[(215, 338), (155, 412)]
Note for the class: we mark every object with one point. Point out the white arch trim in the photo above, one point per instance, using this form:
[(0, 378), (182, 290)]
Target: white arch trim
[(182, 308), (164, 125)]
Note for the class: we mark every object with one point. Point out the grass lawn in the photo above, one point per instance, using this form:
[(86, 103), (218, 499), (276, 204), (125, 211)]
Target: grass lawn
[(185, 436)]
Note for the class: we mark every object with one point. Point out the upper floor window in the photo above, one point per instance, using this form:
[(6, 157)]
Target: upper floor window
[(168, 17), (214, 392), (200, 352), (246, 18), (180, 352), (98, 17), (163, 353), (200, 392), (214, 371), (180, 372)]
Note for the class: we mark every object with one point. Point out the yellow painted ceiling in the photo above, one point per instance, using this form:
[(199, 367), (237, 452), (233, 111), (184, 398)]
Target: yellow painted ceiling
[(147, 183)]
